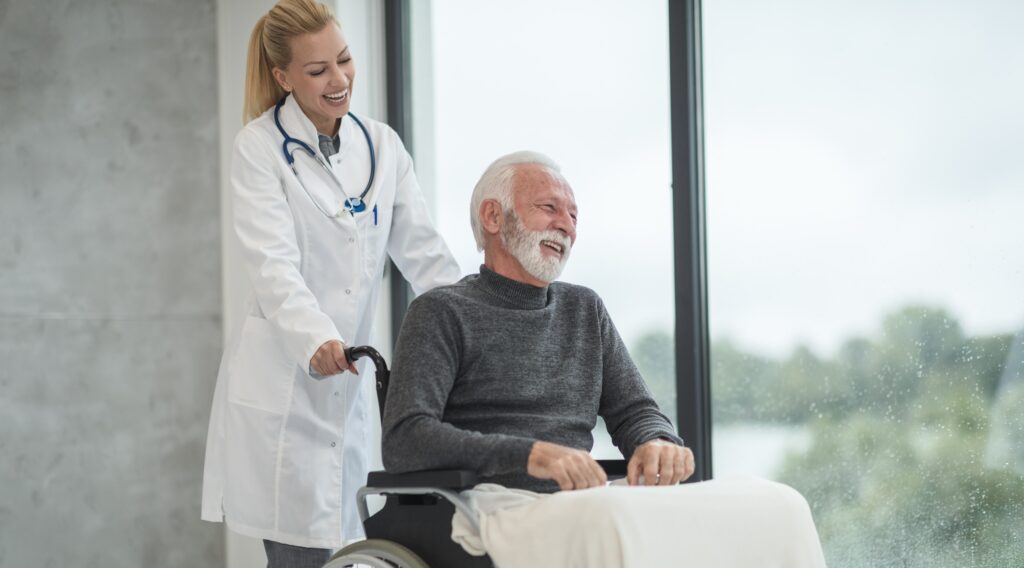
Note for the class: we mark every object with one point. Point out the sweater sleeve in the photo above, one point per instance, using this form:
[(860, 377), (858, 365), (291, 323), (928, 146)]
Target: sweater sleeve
[(425, 368), (628, 409)]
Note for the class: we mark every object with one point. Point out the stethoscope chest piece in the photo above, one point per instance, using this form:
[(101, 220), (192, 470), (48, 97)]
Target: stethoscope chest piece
[(355, 205)]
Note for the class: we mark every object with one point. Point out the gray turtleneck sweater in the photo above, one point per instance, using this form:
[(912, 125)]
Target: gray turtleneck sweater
[(487, 366)]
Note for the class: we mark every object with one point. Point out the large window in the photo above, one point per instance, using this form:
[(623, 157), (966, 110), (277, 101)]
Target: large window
[(585, 82), (865, 184)]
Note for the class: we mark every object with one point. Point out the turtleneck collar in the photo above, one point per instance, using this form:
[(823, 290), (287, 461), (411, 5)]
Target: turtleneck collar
[(512, 293)]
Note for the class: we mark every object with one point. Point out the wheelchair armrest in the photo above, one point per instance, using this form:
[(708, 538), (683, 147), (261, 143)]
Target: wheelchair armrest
[(454, 479), (458, 479), (614, 469)]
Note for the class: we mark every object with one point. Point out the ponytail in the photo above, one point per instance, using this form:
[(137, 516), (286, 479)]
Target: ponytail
[(270, 47), (261, 89)]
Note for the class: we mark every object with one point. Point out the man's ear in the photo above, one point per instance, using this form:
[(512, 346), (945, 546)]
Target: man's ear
[(279, 76), (491, 216)]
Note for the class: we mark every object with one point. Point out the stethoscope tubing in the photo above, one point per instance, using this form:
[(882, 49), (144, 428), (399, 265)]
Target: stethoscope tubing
[(352, 204)]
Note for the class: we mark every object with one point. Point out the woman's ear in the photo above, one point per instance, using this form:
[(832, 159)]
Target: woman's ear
[(281, 79), (491, 216)]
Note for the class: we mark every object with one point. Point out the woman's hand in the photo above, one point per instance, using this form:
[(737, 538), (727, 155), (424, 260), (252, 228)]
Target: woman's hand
[(330, 359)]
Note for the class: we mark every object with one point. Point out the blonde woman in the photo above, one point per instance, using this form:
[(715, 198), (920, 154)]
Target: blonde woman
[(321, 199)]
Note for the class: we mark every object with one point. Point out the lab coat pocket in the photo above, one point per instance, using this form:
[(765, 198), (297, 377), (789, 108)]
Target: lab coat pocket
[(376, 228), (261, 372)]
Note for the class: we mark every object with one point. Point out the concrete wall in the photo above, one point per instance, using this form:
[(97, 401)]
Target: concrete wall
[(110, 292)]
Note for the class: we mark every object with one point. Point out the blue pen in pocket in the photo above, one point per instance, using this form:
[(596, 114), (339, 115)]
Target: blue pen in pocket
[(374, 215)]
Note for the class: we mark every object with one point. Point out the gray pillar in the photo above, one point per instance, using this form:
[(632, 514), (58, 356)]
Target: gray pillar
[(110, 290)]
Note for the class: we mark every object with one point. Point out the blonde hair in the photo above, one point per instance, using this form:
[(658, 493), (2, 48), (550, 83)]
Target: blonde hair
[(269, 47)]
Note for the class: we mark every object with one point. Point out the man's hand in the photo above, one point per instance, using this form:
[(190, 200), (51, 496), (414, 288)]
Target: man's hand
[(660, 462), (569, 467), (330, 359)]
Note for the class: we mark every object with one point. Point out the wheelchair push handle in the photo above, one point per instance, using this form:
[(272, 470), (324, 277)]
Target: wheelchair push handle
[(383, 376)]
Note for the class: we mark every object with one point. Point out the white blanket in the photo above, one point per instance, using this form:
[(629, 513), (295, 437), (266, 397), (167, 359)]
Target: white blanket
[(727, 523)]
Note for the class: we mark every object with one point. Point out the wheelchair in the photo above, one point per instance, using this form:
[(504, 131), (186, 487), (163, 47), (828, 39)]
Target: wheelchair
[(413, 529)]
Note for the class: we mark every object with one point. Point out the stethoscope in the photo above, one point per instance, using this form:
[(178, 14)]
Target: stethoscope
[(352, 205)]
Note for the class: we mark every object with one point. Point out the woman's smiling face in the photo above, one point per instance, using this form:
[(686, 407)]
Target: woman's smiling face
[(320, 77)]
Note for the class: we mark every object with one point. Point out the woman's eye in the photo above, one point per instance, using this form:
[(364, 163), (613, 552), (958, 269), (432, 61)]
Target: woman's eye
[(344, 61), (315, 73)]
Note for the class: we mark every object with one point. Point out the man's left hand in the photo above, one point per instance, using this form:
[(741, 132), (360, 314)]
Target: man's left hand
[(660, 462)]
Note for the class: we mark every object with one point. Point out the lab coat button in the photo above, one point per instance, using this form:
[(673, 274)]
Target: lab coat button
[(348, 291), (351, 239), (333, 444), (335, 393)]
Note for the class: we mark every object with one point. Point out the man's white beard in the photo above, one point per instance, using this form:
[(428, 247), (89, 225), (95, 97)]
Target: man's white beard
[(524, 245)]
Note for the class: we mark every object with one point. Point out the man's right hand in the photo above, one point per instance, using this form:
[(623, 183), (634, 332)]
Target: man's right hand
[(569, 467), (330, 359)]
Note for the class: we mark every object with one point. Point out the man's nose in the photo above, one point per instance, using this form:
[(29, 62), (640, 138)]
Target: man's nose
[(565, 224)]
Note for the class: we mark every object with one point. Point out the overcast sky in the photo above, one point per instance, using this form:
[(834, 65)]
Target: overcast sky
[(861, 156)]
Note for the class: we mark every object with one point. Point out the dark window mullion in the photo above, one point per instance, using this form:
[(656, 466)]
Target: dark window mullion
[(399, 84), (693, 380)]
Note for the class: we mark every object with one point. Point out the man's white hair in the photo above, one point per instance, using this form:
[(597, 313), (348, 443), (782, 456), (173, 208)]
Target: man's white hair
[(497, 183)]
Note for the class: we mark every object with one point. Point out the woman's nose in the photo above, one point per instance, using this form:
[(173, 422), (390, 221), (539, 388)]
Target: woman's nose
[(340, 77)]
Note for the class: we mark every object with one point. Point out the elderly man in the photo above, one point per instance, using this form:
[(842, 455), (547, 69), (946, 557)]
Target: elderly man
[(505, 373)]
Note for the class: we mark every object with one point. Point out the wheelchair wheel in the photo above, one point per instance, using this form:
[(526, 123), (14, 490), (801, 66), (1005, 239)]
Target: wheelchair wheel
[(376, 553)]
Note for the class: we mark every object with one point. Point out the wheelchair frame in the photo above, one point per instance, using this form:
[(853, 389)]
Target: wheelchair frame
[(413, 529)]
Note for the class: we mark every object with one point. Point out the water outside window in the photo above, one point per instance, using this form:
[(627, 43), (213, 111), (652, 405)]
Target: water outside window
[(865, 184), (585, 82)]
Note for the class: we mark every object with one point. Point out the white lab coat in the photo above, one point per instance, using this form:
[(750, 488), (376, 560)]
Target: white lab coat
[(286, 452)]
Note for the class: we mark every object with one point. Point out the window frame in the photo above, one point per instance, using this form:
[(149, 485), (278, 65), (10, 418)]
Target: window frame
[(692, 345)]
